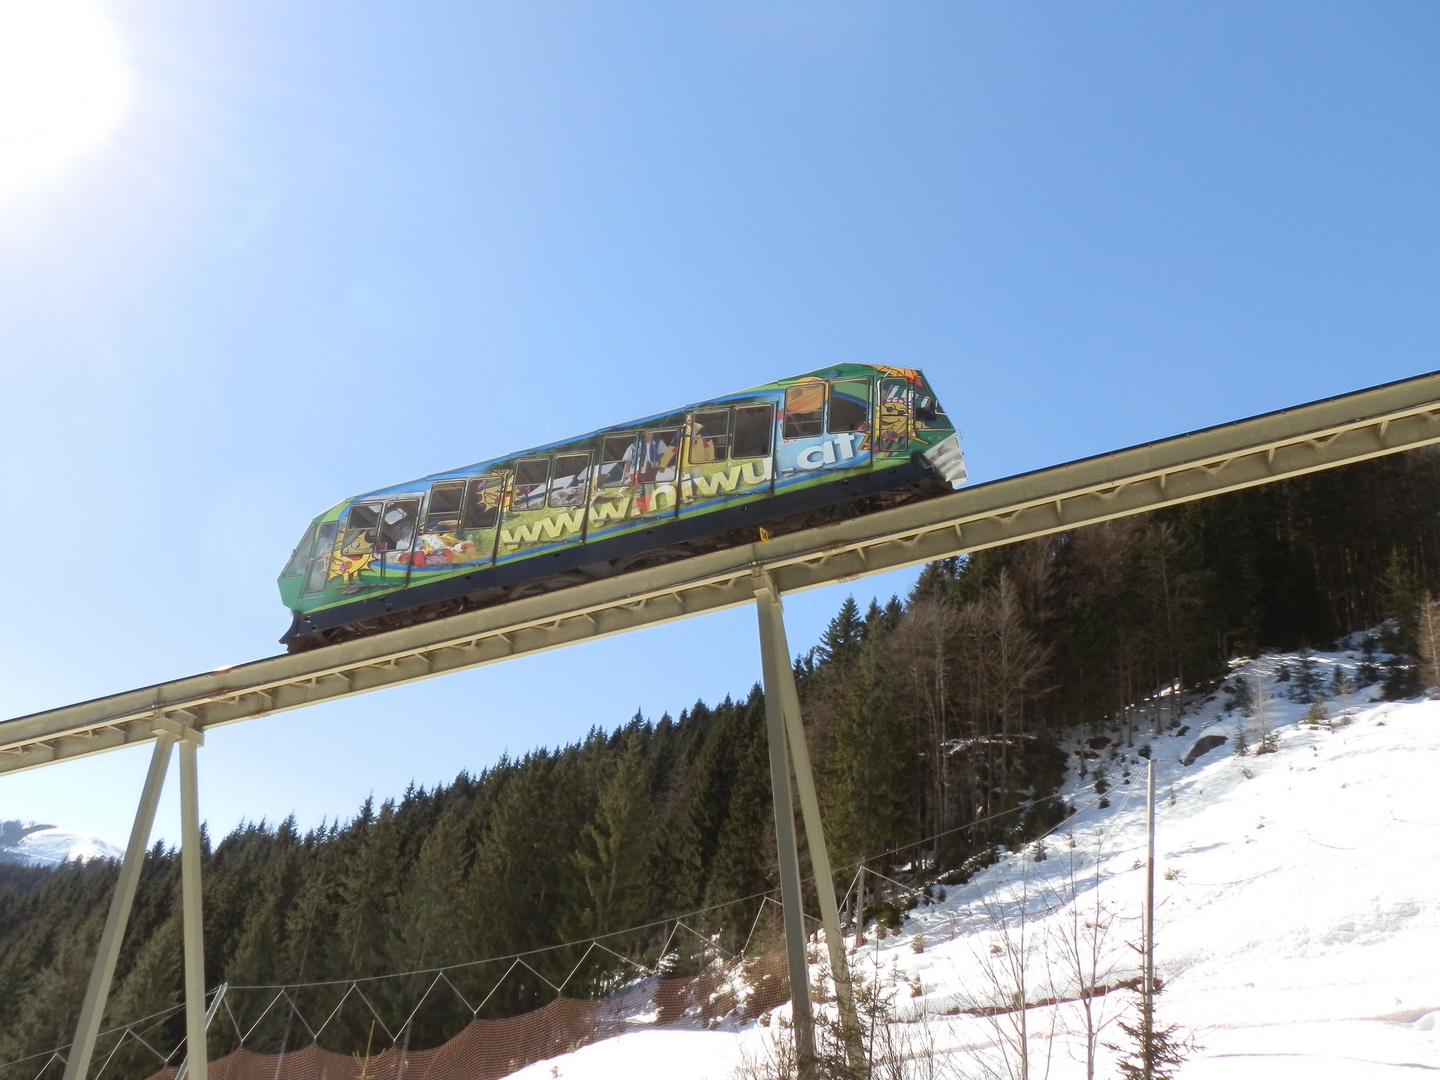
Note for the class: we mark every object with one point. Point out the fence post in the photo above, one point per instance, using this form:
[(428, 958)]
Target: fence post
[(1149, 981)]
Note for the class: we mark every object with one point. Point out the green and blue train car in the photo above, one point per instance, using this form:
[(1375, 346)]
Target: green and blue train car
[(787, 455)]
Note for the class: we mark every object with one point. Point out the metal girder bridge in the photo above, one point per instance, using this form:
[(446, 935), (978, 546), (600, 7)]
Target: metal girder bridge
[(1338, 431), (1309, 438)]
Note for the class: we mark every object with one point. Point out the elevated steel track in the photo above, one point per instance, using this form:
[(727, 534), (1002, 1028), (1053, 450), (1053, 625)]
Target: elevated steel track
[(1308, 438)]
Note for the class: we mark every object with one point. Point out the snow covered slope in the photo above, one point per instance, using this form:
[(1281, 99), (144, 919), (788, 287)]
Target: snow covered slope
[(45, 845), (1298, 911)]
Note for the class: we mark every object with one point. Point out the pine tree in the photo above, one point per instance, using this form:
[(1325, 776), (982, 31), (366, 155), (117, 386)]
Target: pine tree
[(433, 930), (1242, 697), (154, 983), (842, 637), (367, 888), (1367, 673), (1340, 685), (45, 972), (615, 850), (1307, 684), (708, 804), (311, 942), (1401, 679), (869, 769), (745, 863), (1153, 1052), (1400, 597), (937, 581)]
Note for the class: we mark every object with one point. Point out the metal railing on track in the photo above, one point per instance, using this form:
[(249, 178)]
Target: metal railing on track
[(1292, 442)]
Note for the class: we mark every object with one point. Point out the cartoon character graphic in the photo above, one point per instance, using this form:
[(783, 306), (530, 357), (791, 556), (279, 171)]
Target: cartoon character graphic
[(489, 494), (442, 549), (355, 555)]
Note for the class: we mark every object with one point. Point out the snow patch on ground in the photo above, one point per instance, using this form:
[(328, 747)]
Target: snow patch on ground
[(1297, 911), (1297, 899)]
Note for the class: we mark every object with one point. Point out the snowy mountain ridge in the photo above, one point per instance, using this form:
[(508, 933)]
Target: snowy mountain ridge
[(1297, 907), (31, 844)]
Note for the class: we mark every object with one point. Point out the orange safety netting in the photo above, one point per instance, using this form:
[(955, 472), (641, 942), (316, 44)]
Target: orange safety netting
[(489, 1049)]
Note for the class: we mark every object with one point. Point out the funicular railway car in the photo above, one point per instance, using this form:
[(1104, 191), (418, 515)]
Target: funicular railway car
[(788, 455)]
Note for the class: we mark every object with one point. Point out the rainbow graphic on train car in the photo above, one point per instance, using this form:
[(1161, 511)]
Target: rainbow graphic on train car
[(789, 455)]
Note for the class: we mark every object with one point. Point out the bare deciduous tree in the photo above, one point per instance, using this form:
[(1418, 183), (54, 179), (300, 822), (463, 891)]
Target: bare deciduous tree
[(1011, 660), (923, 643), (1428, 641), (1084, 963), (1007, 981)]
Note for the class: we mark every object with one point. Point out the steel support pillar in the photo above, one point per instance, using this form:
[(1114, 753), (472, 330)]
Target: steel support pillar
[(772, 655), (195, 1020), (82, 1049), (780, 693)]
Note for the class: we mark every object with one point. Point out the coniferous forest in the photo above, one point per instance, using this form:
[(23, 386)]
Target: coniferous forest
[(933, 722)]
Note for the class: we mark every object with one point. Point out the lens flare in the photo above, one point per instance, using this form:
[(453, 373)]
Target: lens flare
[(64, 86)]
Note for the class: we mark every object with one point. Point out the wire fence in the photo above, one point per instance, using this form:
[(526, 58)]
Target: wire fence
[(279, 1032), (489, 1049)]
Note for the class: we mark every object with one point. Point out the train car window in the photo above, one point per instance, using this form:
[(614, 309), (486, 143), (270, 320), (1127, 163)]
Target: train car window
[(482, 503), (710, 440), (657, 456), (320, 561), (443, 513), (572, 476), (397, 524), (319, 571), (929, 414), (532, 476), (849, 405), (617, 460), (895, 394), (804, 409), (754, 425), (364, 517), (301, 555)]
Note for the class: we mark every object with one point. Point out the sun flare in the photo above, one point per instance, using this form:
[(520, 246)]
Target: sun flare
[(64, 85)]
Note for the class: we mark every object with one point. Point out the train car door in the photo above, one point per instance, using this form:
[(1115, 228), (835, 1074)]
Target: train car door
[(895, 426), (398, 520), (480, 516), (321, 555), (636, 479), (802, 427), (548, 500), (726, 456), (823, 429), (847, 425), (355, 565), (612, 504)]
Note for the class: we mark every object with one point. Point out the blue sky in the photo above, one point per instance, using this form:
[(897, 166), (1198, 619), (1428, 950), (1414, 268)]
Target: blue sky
[(330, 246)]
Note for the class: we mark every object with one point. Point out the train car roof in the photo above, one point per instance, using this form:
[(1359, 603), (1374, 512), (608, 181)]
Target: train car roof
[(834, 371)]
